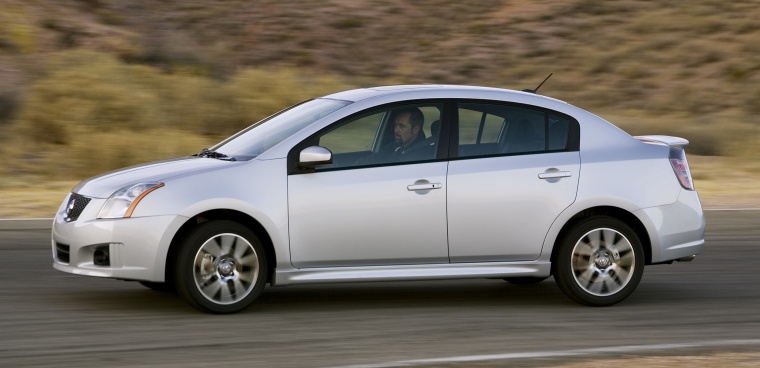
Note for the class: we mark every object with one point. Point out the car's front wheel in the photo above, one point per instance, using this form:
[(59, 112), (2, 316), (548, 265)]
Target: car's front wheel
[(221, 267), (600, 261)]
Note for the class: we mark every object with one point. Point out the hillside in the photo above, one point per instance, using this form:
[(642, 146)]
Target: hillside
[(647, 51), (84, 82)]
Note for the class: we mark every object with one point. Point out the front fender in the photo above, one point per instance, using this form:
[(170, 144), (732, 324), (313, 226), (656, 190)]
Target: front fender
[(257, 189)]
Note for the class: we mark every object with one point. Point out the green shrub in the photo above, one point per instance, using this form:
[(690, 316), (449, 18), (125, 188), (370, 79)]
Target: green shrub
[(199, 105), (98, 94), (91, 112), (259, 93), (18, 30)]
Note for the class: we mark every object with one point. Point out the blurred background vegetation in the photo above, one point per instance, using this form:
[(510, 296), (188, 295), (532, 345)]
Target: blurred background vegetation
[(88, 86)]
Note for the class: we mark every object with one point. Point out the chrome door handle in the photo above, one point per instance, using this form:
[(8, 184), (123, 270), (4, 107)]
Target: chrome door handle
[(554, 174), (427, 186)]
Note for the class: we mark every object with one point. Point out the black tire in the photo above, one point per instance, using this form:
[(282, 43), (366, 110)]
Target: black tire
[(600, 261), (164, 287), (525, 280), (221, 267)]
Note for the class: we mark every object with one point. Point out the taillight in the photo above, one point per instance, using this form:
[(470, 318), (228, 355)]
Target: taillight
[(681, 167)]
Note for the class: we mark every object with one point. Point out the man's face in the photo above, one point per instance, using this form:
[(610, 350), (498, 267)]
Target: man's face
[(404, 131)]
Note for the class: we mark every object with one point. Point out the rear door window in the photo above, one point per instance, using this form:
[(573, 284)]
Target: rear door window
[(491, 129)]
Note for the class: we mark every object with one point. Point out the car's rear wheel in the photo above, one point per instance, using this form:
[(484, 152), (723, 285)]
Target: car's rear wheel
[(221, 267), (600, 261)]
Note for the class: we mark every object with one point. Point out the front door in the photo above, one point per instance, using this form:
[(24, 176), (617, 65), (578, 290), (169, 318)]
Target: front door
[(369, 216), (375, 205)]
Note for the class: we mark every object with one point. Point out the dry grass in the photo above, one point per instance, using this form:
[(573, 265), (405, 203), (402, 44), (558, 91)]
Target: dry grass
[(32, 198), (718, 360), (726, 182), (713, 360)]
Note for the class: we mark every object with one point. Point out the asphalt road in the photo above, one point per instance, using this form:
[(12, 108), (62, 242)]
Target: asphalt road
[(48, 318)]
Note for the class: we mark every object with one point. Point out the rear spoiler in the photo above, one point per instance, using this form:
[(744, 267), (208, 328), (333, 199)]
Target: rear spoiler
[(663, 140)]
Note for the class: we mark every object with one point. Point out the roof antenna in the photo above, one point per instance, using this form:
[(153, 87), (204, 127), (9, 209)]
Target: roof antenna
[(539, 86)]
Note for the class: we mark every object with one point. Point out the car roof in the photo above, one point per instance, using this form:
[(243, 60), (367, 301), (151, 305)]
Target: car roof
[(365, 93)]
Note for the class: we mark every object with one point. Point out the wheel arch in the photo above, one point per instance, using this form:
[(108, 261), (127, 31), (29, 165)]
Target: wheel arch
[(220, 214), (610, 211)]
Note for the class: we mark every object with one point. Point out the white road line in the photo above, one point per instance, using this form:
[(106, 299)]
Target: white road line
[(556, 353)]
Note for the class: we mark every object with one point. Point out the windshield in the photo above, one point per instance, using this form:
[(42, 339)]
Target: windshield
[(263, 135)]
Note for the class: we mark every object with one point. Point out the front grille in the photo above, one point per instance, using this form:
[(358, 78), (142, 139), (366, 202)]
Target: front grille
[(62, 252), (76, 205)]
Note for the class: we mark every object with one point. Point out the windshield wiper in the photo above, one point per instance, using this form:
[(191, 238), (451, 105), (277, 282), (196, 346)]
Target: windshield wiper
[(207, 153)]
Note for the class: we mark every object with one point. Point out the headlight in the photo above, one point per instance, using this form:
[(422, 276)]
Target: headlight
[(123, 202)]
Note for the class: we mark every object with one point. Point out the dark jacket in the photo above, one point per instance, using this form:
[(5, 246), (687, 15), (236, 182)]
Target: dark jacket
[(419, 149)]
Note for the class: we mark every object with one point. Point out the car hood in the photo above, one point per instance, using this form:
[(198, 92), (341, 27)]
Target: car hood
[(104, 185)]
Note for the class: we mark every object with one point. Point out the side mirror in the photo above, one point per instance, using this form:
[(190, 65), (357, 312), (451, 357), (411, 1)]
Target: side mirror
[(314, 156)]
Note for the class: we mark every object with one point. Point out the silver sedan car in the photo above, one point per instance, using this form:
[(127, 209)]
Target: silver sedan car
[(417, 182)]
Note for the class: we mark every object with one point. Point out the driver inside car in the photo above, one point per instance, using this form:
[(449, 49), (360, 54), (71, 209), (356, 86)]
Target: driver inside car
[(409, 142)]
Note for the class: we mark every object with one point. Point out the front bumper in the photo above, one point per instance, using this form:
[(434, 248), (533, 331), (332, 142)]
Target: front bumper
[(136, 247)]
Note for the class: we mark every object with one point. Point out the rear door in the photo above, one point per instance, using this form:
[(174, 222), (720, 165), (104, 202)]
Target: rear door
[(517, 170)]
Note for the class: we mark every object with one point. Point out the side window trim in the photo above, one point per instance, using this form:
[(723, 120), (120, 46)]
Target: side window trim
[(546, 132), (451, 111)]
